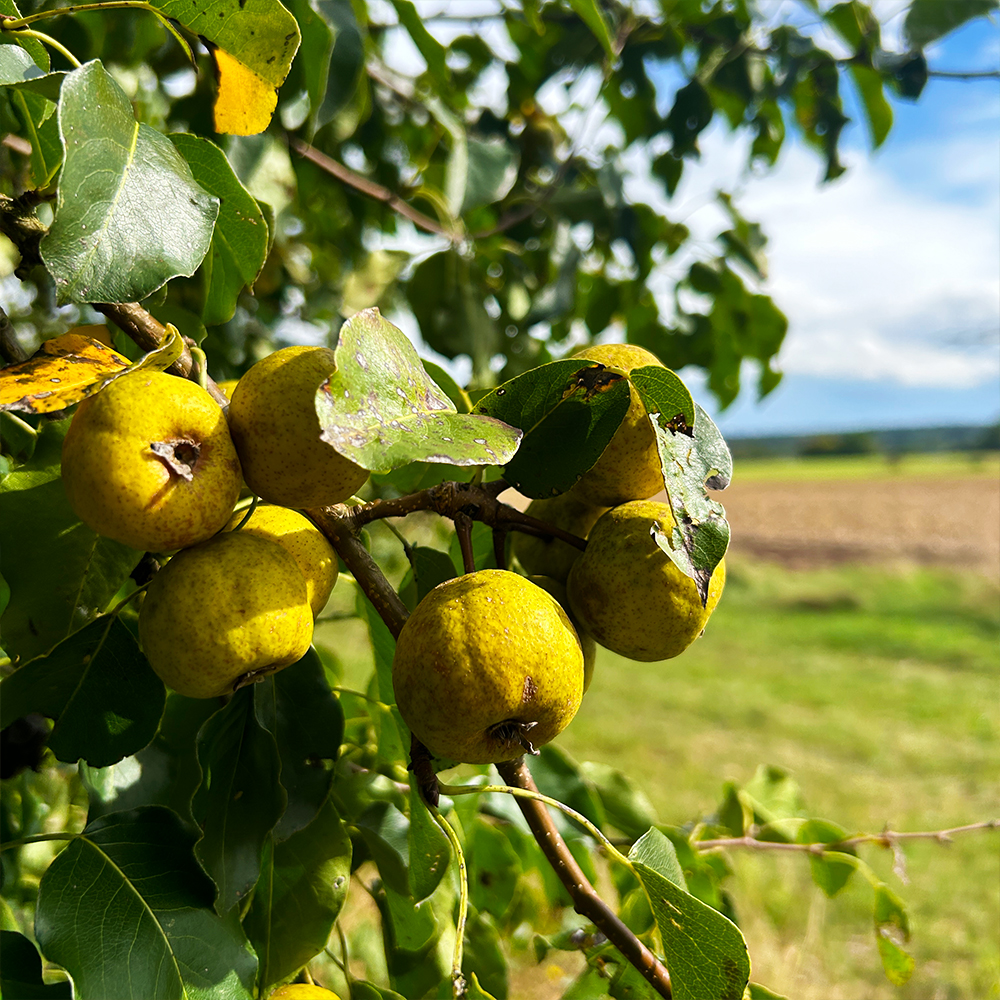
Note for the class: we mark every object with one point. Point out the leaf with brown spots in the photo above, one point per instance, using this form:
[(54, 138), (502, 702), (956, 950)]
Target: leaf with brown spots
[(69, 368)]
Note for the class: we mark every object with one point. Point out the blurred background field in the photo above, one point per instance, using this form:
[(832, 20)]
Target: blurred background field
[(856, 646)]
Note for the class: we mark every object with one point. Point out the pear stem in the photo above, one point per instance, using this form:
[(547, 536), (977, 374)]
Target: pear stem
[(586, 901)]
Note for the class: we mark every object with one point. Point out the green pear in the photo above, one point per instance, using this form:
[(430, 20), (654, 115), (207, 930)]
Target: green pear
[(629, 467), (551, 556), (148, 461), (274, 424), (628, 593), (487, 666), (225, 613)]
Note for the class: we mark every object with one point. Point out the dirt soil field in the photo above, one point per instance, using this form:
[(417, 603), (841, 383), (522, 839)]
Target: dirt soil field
[(812, 523)]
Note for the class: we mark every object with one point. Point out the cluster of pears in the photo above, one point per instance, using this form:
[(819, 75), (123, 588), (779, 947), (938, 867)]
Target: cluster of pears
[(152, 462), (492, 663)]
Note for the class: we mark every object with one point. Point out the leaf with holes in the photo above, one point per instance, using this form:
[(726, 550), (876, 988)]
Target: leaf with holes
[(381, 409), (693, 458), (568, 401), (127, 911)]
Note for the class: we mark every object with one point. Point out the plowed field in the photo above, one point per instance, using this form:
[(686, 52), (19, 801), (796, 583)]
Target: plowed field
[(929, 520)]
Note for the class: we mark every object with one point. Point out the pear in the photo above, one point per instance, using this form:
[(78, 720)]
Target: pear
[(224, 613), (552, 556), (148, 461), (274, 424), (302, 991), (587, 643), (629, 467), (628, 593), (487, 666), (307, 545)]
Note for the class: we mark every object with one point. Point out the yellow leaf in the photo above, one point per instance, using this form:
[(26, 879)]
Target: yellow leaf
[(245, 101), (63, 371)]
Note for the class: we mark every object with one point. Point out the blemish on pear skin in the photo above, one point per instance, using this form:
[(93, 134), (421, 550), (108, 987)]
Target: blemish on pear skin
[(529, 691)]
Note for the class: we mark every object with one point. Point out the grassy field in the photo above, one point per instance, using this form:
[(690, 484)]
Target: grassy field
[(878, 691), (945, 463)]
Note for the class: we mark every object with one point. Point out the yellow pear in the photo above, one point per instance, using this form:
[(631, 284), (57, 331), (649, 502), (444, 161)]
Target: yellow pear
[(307, 545), (224, 613), (486, 667), (630, 595), (303, 991), (148, 461), (227, 385), (274, 424), (552, 556), (629, 468), (558, 590)]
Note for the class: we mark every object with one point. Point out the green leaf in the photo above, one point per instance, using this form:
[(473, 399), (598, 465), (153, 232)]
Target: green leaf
[(700, 536), (878, 111), (590, 13), (458, 396), (129, 214), (429, 567), (240, 798), (690, 115), (18, 69), (302, 888), (626, 806), (310, 71), (381, 410), (705, 952), (429, 847), (928, 20), (654, 850), (346, 62), (61, 573), (99, 688), (429, 47), (33, 96), (757, 992), (492, 172), (483, 961), (385, 831), (37, 50), (560, 777), (494, 867), (829, 871), (239, 240), (892, 926), (307, 722), (775, 794), (553, 407), (21, 971), (126, 910), (169, 769)]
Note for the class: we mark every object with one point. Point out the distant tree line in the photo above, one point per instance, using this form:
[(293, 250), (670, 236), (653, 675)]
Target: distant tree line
[(887, 442)]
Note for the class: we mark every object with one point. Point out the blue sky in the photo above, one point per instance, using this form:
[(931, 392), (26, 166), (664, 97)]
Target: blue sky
[(890, 275)]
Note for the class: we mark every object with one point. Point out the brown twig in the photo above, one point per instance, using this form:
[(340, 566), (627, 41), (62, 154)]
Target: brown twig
[(586, 901), (463, 528), (336, 524), (11, 351), (370, 189), (888, 838), (480, 502)]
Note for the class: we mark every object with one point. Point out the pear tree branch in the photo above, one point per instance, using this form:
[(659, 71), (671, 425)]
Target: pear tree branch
[(452, 499), (887, 838), (586, 901)]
